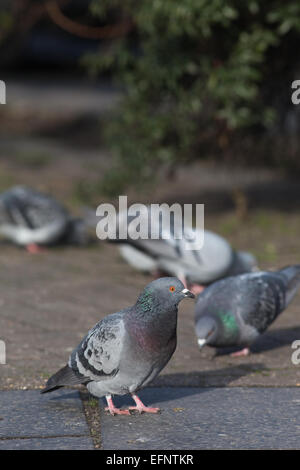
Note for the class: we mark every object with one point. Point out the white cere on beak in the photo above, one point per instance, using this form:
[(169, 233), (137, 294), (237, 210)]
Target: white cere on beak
[(188, 293), (201, 342)]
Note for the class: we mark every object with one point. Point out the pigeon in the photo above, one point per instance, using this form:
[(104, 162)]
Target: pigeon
[(30, 218), (169, 255), (235, 311), (126, 350)]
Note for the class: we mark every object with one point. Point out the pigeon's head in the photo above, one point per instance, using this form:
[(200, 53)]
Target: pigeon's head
[(163, 294), (206, 330)]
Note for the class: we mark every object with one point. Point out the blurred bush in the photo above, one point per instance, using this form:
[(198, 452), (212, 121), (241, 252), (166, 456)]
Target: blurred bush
[(199, 75), (6, 21)]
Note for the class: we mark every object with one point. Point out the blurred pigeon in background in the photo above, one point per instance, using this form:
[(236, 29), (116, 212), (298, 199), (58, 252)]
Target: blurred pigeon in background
[(235, 311), (126, 350), (169, 255), (30, 218)]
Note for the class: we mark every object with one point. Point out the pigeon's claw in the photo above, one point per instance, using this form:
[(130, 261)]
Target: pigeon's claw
[(116, 411), (113, 410), (144, 409), (141, 408)]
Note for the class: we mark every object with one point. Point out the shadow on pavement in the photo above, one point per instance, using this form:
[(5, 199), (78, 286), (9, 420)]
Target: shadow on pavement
[(71, 395), (268, 341), (276, 339), (208, 378), (184, 385), (181, 384)]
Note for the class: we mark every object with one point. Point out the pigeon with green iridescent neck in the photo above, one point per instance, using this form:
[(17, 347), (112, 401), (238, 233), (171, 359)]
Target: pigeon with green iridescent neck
[(127, 349), (235, 311)]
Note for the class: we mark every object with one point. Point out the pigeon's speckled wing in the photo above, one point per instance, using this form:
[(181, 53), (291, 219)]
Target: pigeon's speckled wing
[(173, 256), (26, 207), (27, 216), (236, 310), (266, 294), (204, 265), (256, 297), (98, 355)]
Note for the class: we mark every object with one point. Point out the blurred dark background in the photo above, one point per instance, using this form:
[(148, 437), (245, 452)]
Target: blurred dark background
[(164, 101)]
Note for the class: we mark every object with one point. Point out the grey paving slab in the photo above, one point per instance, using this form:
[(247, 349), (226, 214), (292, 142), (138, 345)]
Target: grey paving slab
[(208, 418), (28, 414), (49, 443)]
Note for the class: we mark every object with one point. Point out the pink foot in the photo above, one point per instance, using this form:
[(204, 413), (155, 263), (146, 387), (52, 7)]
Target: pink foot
[(113, 410), (141, 408), (116, 411), (34, 249), (196, 289), (144, 409), (242, 352)]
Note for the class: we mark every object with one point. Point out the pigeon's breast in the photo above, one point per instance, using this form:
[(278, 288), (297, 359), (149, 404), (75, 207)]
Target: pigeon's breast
[(150, 338)]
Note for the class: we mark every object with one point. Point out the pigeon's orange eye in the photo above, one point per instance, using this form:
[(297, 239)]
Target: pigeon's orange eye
[(172, 288)]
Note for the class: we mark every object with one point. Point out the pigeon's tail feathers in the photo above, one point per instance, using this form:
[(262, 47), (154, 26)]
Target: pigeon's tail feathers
[(243, 262), (64, 376), (76, 232), (292, 276), (51, 389), (248, 260)]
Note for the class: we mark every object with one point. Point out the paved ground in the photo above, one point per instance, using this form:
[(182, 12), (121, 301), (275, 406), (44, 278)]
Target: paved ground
[(190, 418), (29, 420), (209, 418), (49, 302)]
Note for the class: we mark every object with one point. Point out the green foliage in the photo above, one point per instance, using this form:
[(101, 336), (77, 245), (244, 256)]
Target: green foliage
[(191, 69), (6, 22)]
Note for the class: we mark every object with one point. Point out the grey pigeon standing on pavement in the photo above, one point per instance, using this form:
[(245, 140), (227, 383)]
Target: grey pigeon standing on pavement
[(127, 349), (31, 218), (235, 311), (170, 255)]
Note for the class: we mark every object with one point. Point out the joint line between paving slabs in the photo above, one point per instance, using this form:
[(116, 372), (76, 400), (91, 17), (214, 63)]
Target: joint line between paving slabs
[(12, 438), (91, 410)]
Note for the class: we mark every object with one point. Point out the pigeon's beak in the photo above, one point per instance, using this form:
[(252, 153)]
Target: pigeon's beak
[(201, 343), (188, 293)]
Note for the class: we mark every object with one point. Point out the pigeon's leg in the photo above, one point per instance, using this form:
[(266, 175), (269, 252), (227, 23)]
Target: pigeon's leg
[(140, 407), (33, 248), (196, 289), (112, 409), (242, 352)]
